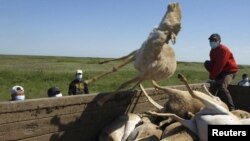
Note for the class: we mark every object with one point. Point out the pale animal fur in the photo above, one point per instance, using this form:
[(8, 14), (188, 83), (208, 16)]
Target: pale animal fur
[(211, 114), (177, 132), (179, 102), (147, 131), (120, 129), (241, 114), (155, 59)]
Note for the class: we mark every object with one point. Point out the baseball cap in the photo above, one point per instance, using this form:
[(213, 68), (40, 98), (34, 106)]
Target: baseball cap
[(54, 92), (215, 36)]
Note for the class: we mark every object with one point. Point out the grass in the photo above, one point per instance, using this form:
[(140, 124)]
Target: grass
[(37, 73)]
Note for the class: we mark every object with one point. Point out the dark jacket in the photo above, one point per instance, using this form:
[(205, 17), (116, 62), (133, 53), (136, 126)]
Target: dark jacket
[(78, 87)]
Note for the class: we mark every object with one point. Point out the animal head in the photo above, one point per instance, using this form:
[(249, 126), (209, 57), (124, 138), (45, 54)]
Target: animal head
[(172, 19), (171, 22)]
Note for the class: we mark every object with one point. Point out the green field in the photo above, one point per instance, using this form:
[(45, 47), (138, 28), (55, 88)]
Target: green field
[(37, 73)]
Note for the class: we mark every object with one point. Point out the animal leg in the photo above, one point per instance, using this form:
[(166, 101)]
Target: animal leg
[(156, 85), (167, 121), (208, 101), (207, 91), (190, 124), (115, 68), (125, 84), (158, 106), (121, 58), (111, 95), (167, 90), (190, 115), (184, 80)]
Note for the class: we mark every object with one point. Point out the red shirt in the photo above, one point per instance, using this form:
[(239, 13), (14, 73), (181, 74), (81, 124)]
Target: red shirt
[(221, 60)]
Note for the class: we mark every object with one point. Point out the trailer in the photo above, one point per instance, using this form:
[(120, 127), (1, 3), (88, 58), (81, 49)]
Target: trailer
[(79, 118)]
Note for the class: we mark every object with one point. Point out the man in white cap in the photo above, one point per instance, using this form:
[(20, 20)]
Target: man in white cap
[(77, 86), (17, 93)]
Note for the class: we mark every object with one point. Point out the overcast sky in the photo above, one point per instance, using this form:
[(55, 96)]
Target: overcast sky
[(113, 28)]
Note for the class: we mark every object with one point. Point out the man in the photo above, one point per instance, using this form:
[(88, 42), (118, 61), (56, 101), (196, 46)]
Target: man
[(17, 93), (244, 81), (54, 92), (77, 86), (222, 68)]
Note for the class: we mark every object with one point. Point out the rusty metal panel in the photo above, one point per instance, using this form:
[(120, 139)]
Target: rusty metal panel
[(241, 97)]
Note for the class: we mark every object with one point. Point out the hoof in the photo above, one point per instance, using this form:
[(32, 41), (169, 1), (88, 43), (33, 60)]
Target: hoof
[(86, 82)]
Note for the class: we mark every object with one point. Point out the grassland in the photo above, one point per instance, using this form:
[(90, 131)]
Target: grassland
[(37, 73)]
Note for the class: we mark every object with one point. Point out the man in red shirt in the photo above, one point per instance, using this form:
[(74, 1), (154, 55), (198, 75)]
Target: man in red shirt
[(222, 68)]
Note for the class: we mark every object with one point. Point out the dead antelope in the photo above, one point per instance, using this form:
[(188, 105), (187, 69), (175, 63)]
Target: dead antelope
[(211, 114), (179, 102), (155, 59), (177, 132), (146, 131), (120, 129)]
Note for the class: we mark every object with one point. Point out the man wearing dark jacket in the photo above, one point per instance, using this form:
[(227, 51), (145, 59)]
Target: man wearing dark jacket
[(222, 68), (77, 86)]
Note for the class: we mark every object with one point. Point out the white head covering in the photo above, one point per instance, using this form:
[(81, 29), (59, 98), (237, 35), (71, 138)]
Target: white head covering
[(18, 92), (16, 89), (79, 71), (79, 74)]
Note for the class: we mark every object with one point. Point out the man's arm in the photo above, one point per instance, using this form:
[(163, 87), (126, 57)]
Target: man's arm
[(86, 89), (71, 88)]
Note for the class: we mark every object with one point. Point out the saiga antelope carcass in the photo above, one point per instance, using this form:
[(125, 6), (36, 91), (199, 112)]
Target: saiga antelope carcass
[(155, 59), (212, 114)]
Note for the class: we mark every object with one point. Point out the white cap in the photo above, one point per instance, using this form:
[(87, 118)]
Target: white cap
[(16, 89), (79, 71)]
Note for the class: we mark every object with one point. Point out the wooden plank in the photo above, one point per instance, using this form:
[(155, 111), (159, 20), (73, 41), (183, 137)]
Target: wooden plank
[(30, 104), (48, 111), (38, 127), (71, 135), (93, 128), (59, 117)]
